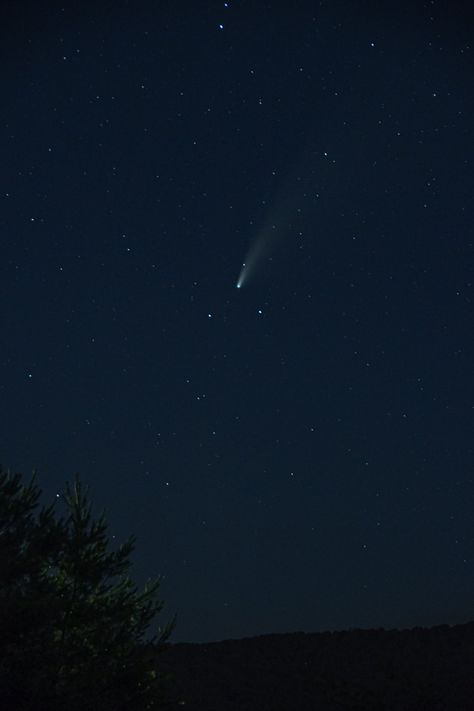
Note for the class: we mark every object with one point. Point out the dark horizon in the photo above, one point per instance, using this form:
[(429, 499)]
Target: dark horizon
[(296, 453), (310, 633)]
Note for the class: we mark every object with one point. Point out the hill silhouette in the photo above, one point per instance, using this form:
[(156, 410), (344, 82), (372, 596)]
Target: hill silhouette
[(416, 669)]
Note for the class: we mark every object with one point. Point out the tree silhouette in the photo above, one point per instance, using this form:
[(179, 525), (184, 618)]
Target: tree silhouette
[(72, 622)]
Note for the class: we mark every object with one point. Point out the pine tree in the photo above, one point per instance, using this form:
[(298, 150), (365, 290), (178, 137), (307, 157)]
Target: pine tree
[(72, 622), (29, 545)]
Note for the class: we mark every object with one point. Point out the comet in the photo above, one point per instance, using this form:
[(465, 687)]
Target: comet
[(286, 217), (259, 250)]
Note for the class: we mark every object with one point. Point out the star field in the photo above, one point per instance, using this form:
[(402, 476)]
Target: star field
[(295, 453)]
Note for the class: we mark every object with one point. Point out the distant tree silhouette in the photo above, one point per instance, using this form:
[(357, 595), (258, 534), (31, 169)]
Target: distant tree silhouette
[(72, 622)]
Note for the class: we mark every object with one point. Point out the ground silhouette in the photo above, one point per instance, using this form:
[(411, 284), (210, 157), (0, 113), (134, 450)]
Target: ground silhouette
[(417, 669)]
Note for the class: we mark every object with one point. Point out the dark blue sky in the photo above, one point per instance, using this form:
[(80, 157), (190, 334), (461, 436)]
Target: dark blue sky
[(296, 454)]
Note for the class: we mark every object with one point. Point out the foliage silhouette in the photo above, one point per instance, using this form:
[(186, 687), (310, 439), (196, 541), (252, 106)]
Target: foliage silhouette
[(72, 622)]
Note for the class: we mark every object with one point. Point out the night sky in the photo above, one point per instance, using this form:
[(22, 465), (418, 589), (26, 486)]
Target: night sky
[(296, 453)]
